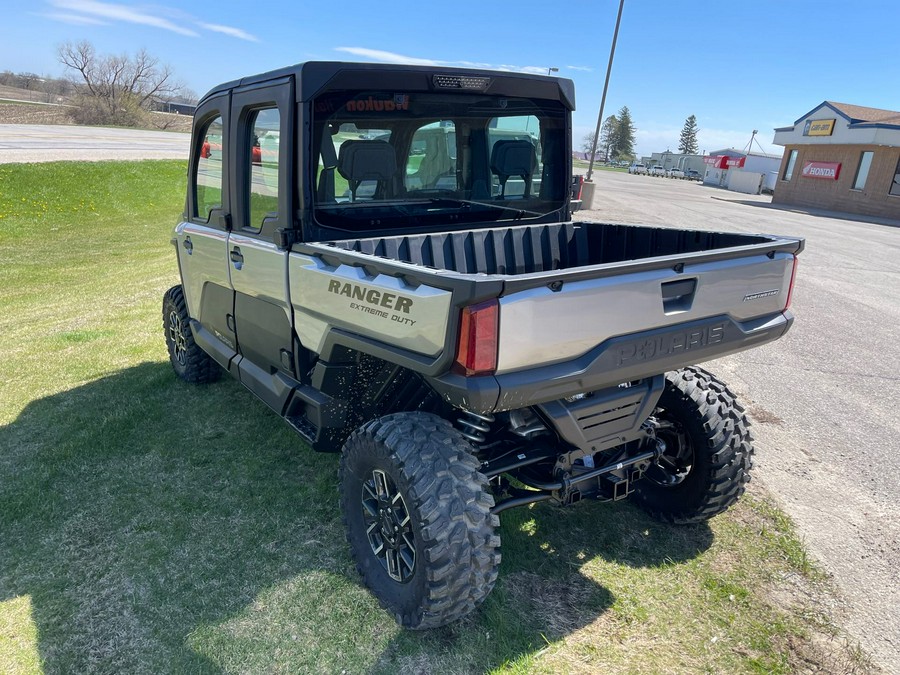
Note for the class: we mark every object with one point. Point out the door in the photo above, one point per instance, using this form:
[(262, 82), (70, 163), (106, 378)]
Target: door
[(262, 118), (202, 238)]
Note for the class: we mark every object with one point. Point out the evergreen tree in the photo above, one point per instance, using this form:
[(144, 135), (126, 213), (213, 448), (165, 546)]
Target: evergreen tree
[(687, 145), (623, 145), (607, 136)]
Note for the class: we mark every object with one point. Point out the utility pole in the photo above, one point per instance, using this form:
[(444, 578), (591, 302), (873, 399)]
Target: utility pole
[(612, 53)]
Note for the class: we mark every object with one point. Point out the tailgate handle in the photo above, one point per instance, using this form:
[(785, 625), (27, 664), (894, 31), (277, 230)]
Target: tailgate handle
[(678, 295)]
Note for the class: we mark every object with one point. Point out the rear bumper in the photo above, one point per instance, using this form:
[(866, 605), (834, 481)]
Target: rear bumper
[(619, 359)]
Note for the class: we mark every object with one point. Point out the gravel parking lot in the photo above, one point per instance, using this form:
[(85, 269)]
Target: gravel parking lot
[(824, 399)]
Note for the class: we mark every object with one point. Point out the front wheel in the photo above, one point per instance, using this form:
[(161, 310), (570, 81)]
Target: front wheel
[(418, 517), (708, 450)]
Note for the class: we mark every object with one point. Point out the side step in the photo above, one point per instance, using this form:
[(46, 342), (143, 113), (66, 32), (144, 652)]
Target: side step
[(317, 417)]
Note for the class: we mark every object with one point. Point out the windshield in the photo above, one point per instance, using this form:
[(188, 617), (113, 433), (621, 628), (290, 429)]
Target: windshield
[(397, 161)]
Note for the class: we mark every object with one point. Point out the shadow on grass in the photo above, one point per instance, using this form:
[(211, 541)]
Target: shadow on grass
[(160, 527), (138, 513), (543, 593)]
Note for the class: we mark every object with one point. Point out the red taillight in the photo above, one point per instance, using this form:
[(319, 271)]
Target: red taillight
[(476, 351), (791, 287)]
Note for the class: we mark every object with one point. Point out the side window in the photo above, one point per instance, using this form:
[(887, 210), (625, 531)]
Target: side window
[(789, 167), (895, 183), (862, 173), (432, 158), (264, 128), (208, 176), (510, 137)]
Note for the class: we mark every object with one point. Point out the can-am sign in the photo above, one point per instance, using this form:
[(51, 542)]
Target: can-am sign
[(826, 170)]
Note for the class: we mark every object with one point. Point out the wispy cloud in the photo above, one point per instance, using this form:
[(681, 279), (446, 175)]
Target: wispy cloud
[(534, 70), (97, 13), (392, 57), (582, 68), (75, 19), (105, 10), (387, 57), (229, 30)]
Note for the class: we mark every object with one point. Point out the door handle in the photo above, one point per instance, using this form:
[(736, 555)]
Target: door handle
[(188, 246), (237, 257)]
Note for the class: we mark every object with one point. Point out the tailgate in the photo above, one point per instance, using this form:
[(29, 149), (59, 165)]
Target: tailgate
[(562, 320)]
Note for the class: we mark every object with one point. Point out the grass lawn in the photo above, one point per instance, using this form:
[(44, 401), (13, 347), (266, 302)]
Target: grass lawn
[(147, 525), (583, 164)]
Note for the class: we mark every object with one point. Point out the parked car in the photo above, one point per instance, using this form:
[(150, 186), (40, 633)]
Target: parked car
[(657, 170), (637, 168), (675, 172), (693, 174)]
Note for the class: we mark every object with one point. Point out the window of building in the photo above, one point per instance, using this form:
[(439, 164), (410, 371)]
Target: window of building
[(789, 169), (208, 175), (865, 163), (895, 184), (263, 160)]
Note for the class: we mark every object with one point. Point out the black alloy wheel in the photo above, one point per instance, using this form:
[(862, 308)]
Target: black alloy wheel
[(388, 526), (418, 517), (708, 450), (677, 458), (188, 361)]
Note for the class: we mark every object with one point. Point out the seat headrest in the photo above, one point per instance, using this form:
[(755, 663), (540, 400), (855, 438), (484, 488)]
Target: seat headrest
[(367, 160), (513, 158)]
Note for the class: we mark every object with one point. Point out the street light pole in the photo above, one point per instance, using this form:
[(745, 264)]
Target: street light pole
[(612, 53), (552, 70)]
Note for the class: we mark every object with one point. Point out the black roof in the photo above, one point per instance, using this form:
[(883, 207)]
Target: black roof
[(313, 76)]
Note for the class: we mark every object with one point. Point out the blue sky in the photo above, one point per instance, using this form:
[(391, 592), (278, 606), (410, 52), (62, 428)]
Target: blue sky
[(736, 65)]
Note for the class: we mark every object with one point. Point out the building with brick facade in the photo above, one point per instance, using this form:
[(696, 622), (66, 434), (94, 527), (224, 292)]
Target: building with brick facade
[(842, 157)]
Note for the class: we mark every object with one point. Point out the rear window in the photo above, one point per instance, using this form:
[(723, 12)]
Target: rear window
[(401, 160)]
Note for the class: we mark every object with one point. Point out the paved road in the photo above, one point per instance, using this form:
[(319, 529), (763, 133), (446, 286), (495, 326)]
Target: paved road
[(48, 143), (826, 398)]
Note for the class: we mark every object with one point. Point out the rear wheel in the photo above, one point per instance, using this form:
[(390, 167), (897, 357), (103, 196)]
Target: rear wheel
[(708, 450), (189, 362), (418, 518)]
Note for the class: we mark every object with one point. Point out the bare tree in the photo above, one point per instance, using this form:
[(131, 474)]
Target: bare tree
[(116, 89)]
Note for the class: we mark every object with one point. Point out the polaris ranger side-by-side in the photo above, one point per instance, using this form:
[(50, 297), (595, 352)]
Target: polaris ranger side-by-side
[(385, 256)]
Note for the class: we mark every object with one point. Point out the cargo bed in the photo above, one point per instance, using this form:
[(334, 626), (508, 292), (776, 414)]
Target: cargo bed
[(581, 305), (520, 250)]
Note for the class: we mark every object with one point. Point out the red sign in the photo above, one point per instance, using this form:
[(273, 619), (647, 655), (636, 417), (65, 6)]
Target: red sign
[(724, 161), (716, 161), (826, 170)]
